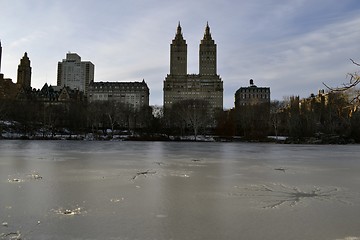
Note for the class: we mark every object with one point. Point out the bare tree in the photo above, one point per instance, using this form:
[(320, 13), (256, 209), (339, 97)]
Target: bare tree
[(117, 113), (275, 115), (193, 113), (111, 111)]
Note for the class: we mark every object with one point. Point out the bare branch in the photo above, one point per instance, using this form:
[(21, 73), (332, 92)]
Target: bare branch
[(354, 81), (354, 62)]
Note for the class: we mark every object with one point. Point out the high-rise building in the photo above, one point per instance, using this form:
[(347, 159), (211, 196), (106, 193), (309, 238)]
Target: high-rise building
[(207, 54), (178, 54), (207, 85), (74, 73), (24, 73)]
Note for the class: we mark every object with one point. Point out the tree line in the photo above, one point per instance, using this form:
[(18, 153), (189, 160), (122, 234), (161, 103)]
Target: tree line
[(72, 117), (328, 115)]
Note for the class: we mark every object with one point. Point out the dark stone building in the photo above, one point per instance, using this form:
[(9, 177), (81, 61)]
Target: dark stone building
[(134, 94), (252, 95), (207, 85), (24, 73)]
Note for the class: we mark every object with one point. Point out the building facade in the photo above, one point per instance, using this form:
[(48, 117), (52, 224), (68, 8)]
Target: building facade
[(207, 85), (135, 94), (252, 95), (74, 73)]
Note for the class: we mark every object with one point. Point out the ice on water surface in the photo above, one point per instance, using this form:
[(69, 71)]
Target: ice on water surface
[(153, 190)]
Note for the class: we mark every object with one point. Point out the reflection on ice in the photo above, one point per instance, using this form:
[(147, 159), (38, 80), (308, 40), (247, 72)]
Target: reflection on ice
[(69, 212), (183, 174), (277, 195), (116, 200), (17, 178), (11, 235), (281, 169), (17, 235), (349, 238), (35, 176)]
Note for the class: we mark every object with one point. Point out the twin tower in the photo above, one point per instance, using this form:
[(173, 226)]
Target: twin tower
[(207, 54), (207, 85)]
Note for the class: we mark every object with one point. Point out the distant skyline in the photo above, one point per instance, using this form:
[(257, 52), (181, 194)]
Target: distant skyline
[(290, 46)]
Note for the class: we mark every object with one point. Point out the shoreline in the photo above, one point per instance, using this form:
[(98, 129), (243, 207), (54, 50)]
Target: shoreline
[(321, 140)]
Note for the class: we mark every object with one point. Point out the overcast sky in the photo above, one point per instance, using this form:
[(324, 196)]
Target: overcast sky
[(291, 46)]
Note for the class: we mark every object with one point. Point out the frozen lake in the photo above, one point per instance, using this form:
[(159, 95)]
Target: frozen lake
[(177, 190)]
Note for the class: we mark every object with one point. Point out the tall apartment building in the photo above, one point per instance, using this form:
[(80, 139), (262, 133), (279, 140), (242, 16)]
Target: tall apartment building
[(207, 85), (135, 94), (252, 95), (24, 73), (74, 73)]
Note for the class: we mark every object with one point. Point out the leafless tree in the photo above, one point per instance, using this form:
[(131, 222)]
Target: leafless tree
[(275, 118), (193, 114), (116, 113), (95, 115)]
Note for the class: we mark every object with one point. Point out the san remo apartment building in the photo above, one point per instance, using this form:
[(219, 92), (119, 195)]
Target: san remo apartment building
[(207, 85)]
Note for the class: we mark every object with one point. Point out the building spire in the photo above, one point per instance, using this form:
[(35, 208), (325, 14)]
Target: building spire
[(179, 28), (207, 34), (178, 54), (178, 32), (207, 54), (25, 61)]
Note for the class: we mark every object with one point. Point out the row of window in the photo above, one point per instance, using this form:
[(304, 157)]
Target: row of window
[(209, 59), (258, 96), (255, 90), (117, 95), (117, 87), (208, 53)]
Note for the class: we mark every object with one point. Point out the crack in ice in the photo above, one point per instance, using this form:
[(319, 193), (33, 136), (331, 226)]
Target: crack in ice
[(277, 195)]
